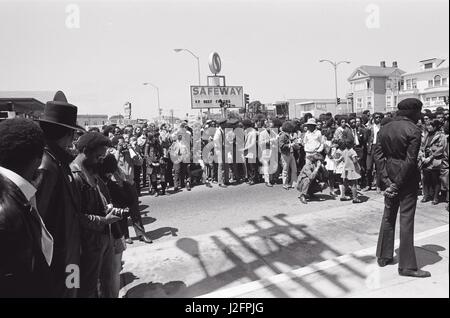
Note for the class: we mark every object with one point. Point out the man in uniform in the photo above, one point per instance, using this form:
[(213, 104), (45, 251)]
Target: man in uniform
[(396, 152)]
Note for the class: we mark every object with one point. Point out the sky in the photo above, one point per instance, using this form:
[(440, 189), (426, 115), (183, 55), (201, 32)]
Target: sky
[(271, 47)]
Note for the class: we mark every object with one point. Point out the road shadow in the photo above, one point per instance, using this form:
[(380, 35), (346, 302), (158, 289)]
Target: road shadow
[(320, 197), (303, 249), (280, 244), (172, 289), (143, 207), (127, 278), (427, 254), (172, 191), (147, 220), (161, 232), (363, 198)]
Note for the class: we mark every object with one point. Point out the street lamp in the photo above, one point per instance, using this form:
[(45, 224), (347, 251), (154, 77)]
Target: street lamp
[(335, 65), (198, 70), (198, 62), (157, 91)]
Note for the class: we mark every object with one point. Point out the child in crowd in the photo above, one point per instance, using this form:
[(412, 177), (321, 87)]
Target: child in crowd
[(352, 171), (339, 170)]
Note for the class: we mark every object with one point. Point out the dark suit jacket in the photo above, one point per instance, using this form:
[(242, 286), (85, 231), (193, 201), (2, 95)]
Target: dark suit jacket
[(397, 151), (24, 271), (284, 142), (58, 203), (361, 132)]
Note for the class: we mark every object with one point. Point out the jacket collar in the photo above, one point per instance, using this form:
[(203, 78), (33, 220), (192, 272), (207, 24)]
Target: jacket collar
[(400, 117), (9, 188), (27, 189)]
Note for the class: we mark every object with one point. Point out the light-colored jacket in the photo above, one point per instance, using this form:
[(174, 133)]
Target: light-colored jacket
[(268, 143), (250, 143), (313, 141)]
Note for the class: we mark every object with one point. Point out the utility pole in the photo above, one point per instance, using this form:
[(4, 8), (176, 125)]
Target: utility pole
[(335, 65)]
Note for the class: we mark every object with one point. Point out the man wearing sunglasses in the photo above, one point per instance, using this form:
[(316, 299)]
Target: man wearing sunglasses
[(372, 133)]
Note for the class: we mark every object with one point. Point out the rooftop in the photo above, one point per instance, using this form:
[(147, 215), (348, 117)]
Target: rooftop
[(441, 64), (378, 71)]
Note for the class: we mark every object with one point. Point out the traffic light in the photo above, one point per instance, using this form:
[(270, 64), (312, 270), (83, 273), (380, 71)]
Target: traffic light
[(246, 99), (338, 100)]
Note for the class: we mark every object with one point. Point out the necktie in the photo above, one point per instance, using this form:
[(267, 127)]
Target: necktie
[(356, 137), (46, 237)]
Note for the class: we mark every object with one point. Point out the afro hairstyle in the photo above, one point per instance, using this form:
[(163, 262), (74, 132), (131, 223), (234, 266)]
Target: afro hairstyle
[(21, 142)]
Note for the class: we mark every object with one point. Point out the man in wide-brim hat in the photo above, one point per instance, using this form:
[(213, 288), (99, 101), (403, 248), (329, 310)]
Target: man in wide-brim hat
[(312, 140), (57, 196)]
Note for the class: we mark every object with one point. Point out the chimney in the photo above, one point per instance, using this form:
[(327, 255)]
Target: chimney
[(383, 64), (394, 64)]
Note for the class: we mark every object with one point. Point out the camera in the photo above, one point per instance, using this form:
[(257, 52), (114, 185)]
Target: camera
[(124, 148), (121, 212)]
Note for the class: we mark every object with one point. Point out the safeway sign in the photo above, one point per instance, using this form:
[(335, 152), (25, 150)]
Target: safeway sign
[(213, 96)]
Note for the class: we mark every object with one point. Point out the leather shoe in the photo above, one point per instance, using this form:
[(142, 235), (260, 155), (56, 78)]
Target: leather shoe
[(145, 239), (303, 199), (128, 241), (268, 184), (382, 262), (414, 273), (435, 202), (424, 200)]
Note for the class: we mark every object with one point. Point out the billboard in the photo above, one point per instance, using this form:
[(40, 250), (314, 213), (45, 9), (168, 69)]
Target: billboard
[(127, 110), (212, 96)]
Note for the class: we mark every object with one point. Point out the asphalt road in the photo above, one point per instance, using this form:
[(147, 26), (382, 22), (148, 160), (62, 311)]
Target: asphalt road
[(203, 210), (212, 239)]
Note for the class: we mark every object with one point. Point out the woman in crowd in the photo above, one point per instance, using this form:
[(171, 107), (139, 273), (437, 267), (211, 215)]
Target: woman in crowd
[(287, 149), (431, 161), (121, 200), (268, 146)]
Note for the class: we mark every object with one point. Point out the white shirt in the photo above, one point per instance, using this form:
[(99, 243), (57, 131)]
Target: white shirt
[(376, 129), (355, 135), (312, 141), (29, 191)]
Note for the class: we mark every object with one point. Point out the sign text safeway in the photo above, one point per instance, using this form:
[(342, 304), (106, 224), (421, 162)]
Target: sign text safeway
[(211, 96)]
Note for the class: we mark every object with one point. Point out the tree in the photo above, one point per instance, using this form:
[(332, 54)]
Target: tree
[(255, 107)]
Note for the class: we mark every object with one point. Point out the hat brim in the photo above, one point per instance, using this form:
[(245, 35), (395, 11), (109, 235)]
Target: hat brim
[(76, 127)]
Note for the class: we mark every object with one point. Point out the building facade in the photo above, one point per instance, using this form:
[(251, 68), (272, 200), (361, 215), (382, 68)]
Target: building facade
[(429, 83), (92, 120), (299, 107), (375, 88)]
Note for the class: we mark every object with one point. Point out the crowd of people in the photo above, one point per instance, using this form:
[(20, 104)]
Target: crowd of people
[(310, 154), (66, 194)]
